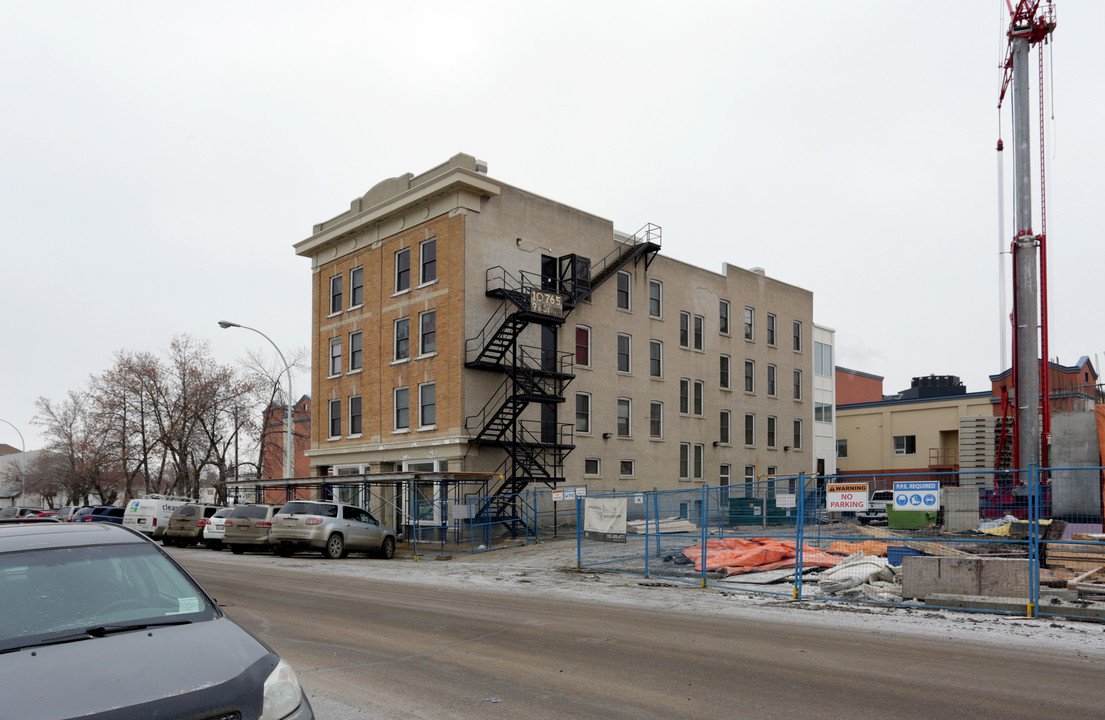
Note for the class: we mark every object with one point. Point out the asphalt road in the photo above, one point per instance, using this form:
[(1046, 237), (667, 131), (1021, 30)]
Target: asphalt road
[(375, 649)]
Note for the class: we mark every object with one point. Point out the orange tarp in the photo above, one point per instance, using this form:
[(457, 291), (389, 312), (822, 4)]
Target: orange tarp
[(739, 555), (867, 547)]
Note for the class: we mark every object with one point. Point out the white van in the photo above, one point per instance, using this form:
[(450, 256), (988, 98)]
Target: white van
[(151, 515)]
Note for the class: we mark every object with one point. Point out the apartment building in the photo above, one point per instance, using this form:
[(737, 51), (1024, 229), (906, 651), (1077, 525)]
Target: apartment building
[(461, 324)]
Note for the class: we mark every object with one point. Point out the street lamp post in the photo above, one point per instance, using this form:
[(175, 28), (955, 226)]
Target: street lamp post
[(22, 464), (288, 466)]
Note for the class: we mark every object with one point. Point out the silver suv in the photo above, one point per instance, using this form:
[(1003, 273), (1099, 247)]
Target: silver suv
[(335, 529), (248, 527)]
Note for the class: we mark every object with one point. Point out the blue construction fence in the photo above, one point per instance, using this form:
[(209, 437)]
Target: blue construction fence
[(1024, 543)]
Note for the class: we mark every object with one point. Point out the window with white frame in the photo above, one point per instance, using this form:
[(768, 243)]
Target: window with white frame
[(725, 435), (772, 428), (335, 356), (699, 460), (626, 469), (356, 287), (797, 434), (724, 366), (771, 329), (723, 317), (797, 336), (822, 412), (684, 396), (771, 389), (335, 294), (624, 417), (749, 376), (335, 419), (749, 324), (402, 402), (427, 332), (355, 415), (623, 290), (797, 384), (356, 353), (625, 343), (750, 429), (822, 359), (402, 338), (684, 329), (655, 358), (427, 405), (583, 346), (905, 444), (592, 466), (749, 481), (655, 299), (699, 330), (656, 420), (684, 461), (403, 270), (583, 413), (699, 391), (427, 252)]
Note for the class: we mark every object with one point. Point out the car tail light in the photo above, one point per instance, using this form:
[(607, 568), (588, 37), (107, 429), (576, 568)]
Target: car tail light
[(313, 521), (155, 522), (201, 523), (88, 518), (262, 523), (228, 523)]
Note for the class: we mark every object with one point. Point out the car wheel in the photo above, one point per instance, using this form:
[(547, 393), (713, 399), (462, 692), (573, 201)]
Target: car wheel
[(335, 547), (237, 549), (283, 550), (387, 549), (167, 541)]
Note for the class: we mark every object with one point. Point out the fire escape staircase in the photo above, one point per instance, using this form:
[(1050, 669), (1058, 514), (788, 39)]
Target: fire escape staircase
[(535, 449)]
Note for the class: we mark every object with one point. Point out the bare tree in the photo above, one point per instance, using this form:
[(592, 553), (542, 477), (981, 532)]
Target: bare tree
[(268, 382), (83, 445)]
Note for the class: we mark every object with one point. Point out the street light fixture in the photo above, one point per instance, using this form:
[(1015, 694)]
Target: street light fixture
[(288, 466), (22, 464)]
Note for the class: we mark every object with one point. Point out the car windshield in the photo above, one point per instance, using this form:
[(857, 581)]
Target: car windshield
[(53, 593), (309, 508), (250, 511)]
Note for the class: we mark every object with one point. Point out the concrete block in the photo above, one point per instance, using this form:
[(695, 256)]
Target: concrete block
[(991, 577)]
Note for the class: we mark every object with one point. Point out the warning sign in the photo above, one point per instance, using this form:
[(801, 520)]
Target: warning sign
[(846, 497)]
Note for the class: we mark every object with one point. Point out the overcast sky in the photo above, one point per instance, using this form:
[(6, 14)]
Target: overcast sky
[(159, 160)]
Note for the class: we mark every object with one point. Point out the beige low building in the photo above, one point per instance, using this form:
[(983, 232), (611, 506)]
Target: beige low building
[(464, 325)]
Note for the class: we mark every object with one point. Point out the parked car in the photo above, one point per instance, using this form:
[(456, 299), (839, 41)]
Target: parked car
[(213, 529), (184, 527), (248, 527), (65, 512), (333, 528), (135, 609), (45, 513), (150, 515), (105, 513), (78, 513), (18, 511), (876, 508)]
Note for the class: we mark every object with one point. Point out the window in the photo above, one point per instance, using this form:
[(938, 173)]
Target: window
[(771, 380), (583, 413), (625, 468), (591, 466), (699, 388), (749, 324), (771, 329), (356, 287), (655, 358), (797, 336), (684, 461), (355, 415), (427, 405), (822, 359), (769, 489), (842, 448), (723, 379), (699, 455), (402, 408), (624, 428), (655, 299), (699, 324), (624, 343), (684, 329), (724, 433), (905, 444), (749, 429), (684, 396), (797, 384), (335, 419), (724, 474), (403, 270), (656, 420), (427, 332), (750, 481), (402, 338), (355, 352), (335, 356), (428, 265), (772, 423), (335, 294), (822, 412), (723, 317), (583, 346), (797, 434), (623, 290), (749, 376)]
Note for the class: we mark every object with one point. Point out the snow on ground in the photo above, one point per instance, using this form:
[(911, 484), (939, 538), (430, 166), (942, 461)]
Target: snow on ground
[(548, 569)]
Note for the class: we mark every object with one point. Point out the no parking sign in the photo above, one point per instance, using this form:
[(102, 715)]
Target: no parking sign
[(917, 495)]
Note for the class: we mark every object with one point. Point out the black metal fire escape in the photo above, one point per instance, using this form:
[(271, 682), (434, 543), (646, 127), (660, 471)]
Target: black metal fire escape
[(535, 448)]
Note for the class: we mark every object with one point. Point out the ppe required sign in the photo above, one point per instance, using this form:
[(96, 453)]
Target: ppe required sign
[(917, 495), (846, 497)]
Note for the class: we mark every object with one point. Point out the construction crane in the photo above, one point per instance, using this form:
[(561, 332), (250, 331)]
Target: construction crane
[(1028, 26)]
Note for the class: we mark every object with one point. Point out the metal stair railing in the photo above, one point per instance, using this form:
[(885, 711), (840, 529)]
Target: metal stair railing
[(645, 242)]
